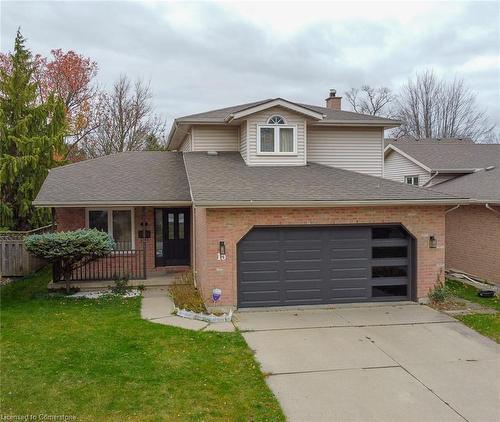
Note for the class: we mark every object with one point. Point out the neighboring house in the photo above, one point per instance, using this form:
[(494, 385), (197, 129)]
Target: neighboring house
[(464, 169), (273, 202)]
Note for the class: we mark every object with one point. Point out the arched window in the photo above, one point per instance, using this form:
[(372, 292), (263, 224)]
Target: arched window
[(276, 137), (276, 120)]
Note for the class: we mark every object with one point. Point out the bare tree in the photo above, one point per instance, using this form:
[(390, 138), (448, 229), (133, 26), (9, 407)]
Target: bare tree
[(126, 121), (368, 100), (434, 108)]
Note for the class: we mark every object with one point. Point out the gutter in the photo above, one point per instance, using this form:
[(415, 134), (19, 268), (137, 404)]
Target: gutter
[(319, 204), (78, 204)]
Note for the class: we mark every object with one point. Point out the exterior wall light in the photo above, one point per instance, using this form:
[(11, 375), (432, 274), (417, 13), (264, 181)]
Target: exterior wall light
[(433, 241), (222, 251)]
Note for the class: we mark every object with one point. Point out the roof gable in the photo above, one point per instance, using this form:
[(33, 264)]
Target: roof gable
[(277, 102)]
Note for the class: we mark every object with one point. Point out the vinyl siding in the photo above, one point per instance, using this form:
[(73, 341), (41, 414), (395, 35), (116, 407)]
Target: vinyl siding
[(350, 148), (187, 144), (216, 138), (243, 140), (261, 118), (396, 167)]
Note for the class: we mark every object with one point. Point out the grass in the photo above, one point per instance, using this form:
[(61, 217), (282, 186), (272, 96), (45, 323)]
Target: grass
[(486, 324), (98, 360), (468, 292)]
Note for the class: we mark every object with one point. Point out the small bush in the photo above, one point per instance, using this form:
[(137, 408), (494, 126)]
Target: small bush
[(439, 293), (185, 295), (121, 286)]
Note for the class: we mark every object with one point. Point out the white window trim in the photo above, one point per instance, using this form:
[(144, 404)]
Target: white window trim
[(276, 139), (110, 219), (412, 177)]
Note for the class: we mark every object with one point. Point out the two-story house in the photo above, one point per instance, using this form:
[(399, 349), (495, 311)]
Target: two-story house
[(463, 168), (273, 202)]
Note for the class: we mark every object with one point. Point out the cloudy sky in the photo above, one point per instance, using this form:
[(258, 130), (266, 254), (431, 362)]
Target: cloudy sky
[(205, 55)]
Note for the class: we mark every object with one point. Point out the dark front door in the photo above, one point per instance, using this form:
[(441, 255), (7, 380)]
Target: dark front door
[(172, 240), (318, 265)]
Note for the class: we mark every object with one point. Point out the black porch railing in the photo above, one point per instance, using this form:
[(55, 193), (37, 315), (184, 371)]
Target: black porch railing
[(130, 264)]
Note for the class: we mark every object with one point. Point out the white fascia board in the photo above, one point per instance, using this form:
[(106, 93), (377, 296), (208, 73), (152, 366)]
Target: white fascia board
[(275, 103)]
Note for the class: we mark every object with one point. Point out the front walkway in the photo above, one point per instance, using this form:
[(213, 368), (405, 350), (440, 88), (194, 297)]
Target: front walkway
[(157, 307), (376, 363)]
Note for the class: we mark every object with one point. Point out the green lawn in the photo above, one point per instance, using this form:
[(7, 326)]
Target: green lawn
[(486, 324), (465, 291), (98, 360)]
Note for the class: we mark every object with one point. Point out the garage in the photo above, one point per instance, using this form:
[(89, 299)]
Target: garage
[(285, 266)]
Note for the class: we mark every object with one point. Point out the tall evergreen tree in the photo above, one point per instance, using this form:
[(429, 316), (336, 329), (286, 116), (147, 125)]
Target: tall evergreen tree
[(31, 137)]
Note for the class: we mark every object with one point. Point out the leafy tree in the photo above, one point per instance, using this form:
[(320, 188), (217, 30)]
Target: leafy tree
[(31, 135), (70, 76), (70, 249)]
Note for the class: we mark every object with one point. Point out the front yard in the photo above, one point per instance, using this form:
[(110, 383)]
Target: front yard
[(97, 359), (486, 324)]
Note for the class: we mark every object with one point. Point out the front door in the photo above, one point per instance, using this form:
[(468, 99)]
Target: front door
[(172, 240)]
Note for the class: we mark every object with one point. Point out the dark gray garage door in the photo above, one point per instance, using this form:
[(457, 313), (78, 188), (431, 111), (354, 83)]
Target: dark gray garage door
[(280, 266)]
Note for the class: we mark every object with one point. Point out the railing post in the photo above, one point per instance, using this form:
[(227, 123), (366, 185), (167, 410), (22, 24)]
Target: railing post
[(144, 241)]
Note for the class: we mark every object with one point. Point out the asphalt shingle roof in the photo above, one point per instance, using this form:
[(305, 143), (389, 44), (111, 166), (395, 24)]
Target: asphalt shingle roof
[(453, 156), (130, 176), (226, 178), (481, 185), (218, 116)]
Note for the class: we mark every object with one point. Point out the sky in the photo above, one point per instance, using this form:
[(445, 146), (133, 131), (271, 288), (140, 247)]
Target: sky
[(199, 56)]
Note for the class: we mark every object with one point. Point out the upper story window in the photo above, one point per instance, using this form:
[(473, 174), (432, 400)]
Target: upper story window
[(412, 180), (276, 137)]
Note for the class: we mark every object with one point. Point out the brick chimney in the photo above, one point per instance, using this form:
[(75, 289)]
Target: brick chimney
[(333, 101)]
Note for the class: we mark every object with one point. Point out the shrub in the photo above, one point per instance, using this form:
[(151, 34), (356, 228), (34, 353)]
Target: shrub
[(439, 293), (121, 286), (70, 249)]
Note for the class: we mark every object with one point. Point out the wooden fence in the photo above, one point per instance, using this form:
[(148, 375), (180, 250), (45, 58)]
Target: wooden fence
[(15, 260)]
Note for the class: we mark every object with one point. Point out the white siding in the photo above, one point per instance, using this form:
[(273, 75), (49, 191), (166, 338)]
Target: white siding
[(261, 118), (243, 141), (396, 167), (216, 138), (356, 149), (186, 145)]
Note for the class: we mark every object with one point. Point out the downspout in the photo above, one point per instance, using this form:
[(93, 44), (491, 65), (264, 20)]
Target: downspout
[(492, 209), (429, 181), (452, 209)]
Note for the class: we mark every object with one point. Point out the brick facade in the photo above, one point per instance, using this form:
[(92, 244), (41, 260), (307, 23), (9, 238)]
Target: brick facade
[(230, 225), (74, 218), (473, 241)]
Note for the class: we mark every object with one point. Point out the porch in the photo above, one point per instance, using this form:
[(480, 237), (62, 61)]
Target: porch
[(153, 244)]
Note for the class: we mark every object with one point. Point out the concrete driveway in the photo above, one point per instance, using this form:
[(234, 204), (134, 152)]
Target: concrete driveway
[(375, 363)]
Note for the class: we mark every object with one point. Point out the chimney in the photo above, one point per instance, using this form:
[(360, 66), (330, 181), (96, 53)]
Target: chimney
[(333, 101)]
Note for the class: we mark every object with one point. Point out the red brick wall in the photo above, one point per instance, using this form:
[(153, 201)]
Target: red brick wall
[(74, 218), (68, 219), (473, 241), (230, 225)]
